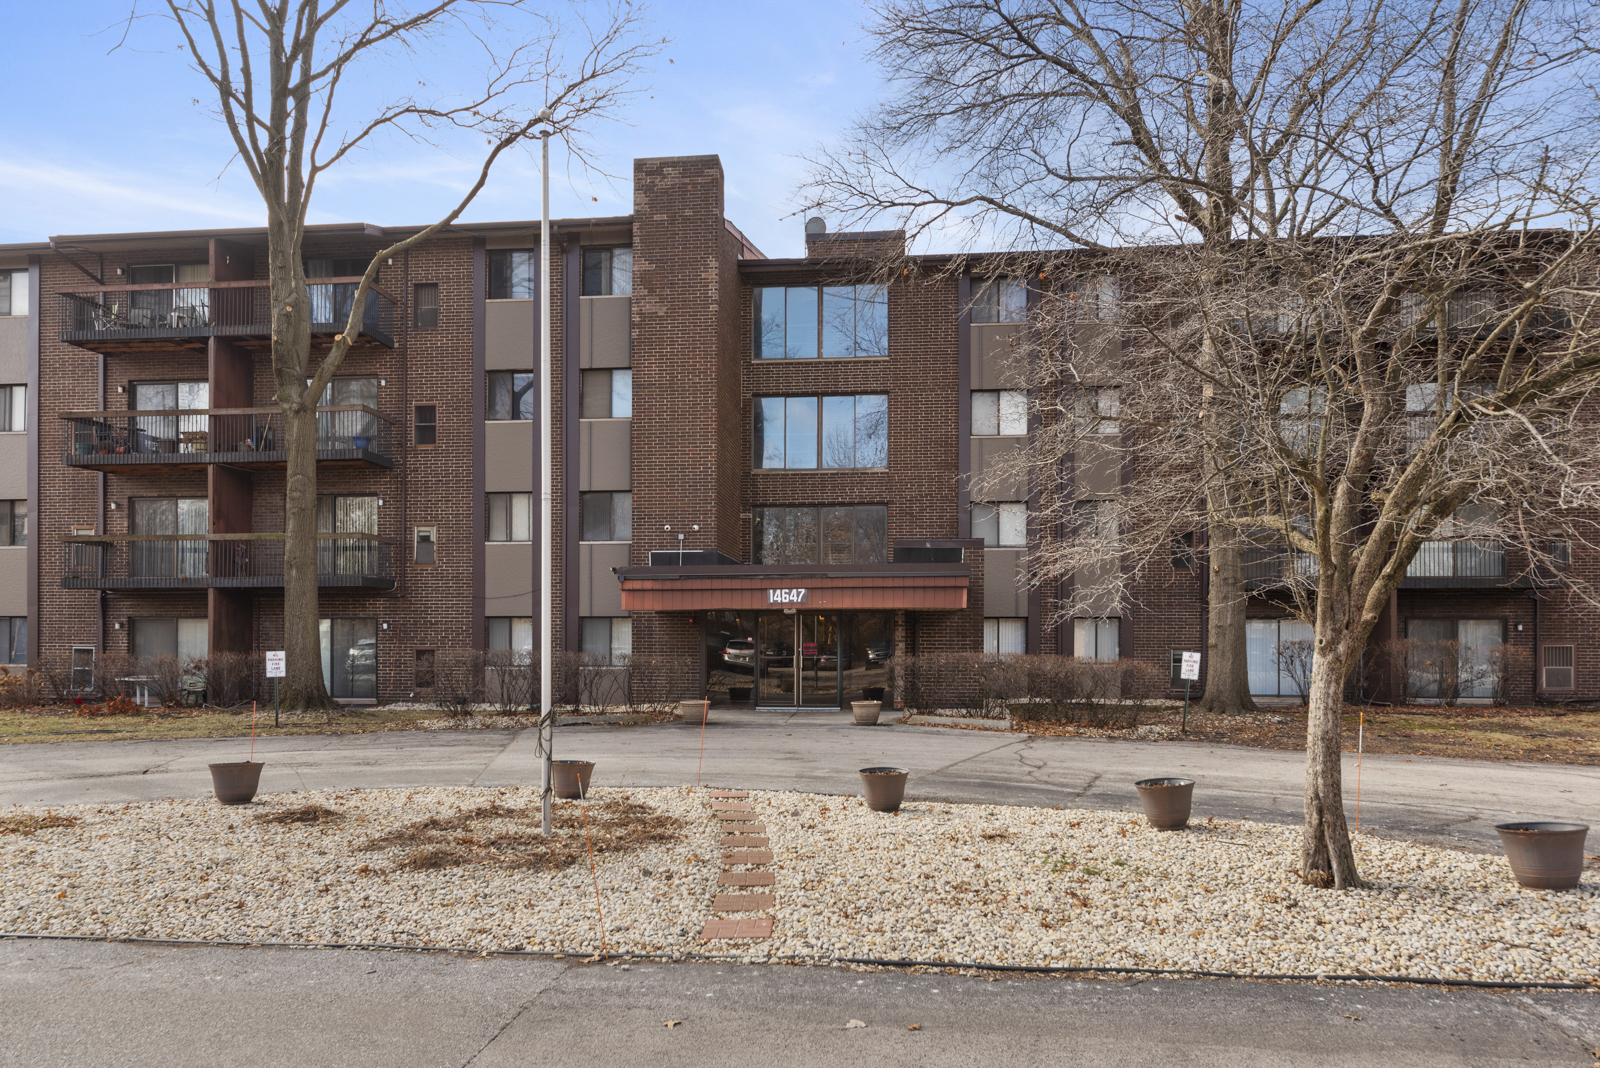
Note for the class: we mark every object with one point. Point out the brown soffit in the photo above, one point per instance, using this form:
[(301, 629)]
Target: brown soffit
[(925, 592)]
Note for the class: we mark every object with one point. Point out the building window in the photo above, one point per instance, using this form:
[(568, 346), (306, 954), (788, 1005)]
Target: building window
[(13, 522), (803, 433), (510, 517), (605, 394), (1464, 546), (1559, 667), (1177, 667), (1001, 412), (426, 303), (1100, 297), (82, 668), (350, 657), (422, 674), (513, 274), (511, 395), (181, 639), (14, 292), (831, 534), (606, 516), (610, 639), (1183, 552), (1096, 639), (1451, 658), (425, 424), (607, 272), (834, 322), (169, 557), (510, 634), (426, 541), (1001, 526), (1300, 415), (14, 639), (13, 407), (1005, 637), (1000, 300), (1094, 411), (1560, 550)]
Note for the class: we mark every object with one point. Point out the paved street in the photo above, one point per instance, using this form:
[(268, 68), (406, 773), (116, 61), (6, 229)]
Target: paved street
[(1448, 801), (82, 1005)]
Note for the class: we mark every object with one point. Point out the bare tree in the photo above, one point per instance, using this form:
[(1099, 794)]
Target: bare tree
[(1336, 318), (1108, 123), (276, 68)]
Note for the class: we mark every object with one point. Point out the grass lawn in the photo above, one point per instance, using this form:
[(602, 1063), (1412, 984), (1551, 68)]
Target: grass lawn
[(65, 726), (1545, 733)]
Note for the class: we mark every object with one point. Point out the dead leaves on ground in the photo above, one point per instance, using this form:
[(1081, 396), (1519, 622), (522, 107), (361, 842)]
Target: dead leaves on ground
[(26, 825), (497, 835), (303, 814)]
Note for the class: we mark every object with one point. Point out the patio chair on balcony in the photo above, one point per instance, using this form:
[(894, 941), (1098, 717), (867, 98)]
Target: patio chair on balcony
[(107, 318), (195, 441)]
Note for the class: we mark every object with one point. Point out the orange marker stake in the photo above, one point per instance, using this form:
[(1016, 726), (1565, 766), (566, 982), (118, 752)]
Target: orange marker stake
[(705, 714)]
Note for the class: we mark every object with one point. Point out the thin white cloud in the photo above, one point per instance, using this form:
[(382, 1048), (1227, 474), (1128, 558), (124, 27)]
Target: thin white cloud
[(80, 199)]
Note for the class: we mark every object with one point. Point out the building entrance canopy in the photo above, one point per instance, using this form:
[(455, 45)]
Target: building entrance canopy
[(922, 587)]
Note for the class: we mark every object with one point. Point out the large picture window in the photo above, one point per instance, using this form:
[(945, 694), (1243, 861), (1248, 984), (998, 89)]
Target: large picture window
[(833, 322), (605, 394), (608, 637), (830, 534), (804, 433), (1003, 525), (606, 516), (182, 639), (513, 274), (1000, 300), (14, 292), (607, 272), (510, 517), (999, 412), (1097, 639), (511, 395)]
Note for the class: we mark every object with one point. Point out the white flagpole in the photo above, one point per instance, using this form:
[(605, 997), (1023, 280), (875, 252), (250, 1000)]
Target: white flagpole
[(546, 491)]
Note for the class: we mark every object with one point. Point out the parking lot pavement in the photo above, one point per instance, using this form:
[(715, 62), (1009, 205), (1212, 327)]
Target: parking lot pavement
[(1454, 802), (85, 1004)]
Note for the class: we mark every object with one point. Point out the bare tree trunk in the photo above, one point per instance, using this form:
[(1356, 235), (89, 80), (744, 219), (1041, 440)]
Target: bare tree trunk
[(304, 686), (1327, 858), (1227, 665)]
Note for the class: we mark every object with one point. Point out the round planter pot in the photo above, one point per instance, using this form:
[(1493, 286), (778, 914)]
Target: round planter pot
[(569, 779), (1166, 802), (235, 784), (885, 788), (872, 693), (694, 712), (1545, 856), (866, 712)]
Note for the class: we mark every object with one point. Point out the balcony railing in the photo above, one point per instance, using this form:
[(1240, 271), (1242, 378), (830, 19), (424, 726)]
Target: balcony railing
[(1276, 565), (1472, 562), (103, 440), (186, 312), (201, 561)]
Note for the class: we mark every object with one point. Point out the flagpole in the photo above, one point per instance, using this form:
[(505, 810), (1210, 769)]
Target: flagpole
[(546, 489)]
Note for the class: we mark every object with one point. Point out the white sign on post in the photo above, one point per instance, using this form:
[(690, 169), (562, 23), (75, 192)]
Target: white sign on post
[(1191, 667), (275, 666)]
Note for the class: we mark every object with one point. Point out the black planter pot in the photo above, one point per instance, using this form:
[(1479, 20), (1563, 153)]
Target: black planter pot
[(236, 784)]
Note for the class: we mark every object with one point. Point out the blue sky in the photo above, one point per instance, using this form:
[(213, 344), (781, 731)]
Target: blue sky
[(100, 142)]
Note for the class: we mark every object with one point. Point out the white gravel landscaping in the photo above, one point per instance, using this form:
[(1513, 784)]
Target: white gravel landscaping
[(937, 882)]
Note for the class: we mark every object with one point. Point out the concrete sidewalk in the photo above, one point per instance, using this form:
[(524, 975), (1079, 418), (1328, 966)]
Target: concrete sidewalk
[(1452, 802)]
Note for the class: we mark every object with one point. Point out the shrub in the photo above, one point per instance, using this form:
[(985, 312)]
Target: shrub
[(458, 680), (229, 677), (21, 689), (511, 679)]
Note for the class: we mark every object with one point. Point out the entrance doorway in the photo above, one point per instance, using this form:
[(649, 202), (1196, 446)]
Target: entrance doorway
[(797, 660), (807, 659)]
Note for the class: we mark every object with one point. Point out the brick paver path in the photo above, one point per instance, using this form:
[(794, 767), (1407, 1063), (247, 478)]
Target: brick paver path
[(743, 841)]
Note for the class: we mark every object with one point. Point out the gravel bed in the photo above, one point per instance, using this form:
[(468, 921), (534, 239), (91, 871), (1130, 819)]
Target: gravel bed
[(962, 883)]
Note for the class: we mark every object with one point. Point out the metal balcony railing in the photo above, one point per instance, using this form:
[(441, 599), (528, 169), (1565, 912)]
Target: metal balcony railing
[(184, 311), (219, 435), (1473, 559), (200, 561), (1276, 565)]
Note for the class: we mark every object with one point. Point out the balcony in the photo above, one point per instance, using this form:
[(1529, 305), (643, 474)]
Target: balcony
[(130, 319), (221, 561), (1458, 564), (107, 441), (1275, 566)]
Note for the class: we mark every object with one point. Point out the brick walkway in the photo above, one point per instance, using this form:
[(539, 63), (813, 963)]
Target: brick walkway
[(744, 845)]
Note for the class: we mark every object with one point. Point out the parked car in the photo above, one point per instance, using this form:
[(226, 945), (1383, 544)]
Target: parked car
[(879, 652), (739, 651)]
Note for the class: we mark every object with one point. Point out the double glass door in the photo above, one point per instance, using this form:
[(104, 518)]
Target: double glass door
[(797, 661)]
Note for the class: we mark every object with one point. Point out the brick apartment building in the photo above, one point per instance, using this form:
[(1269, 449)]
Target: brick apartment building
[(761, 465)]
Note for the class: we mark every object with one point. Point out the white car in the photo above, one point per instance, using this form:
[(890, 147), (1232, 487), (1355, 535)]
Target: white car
[(739, 651)]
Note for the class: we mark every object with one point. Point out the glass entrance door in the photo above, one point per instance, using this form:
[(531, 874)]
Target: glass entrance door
[(798, 660)]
